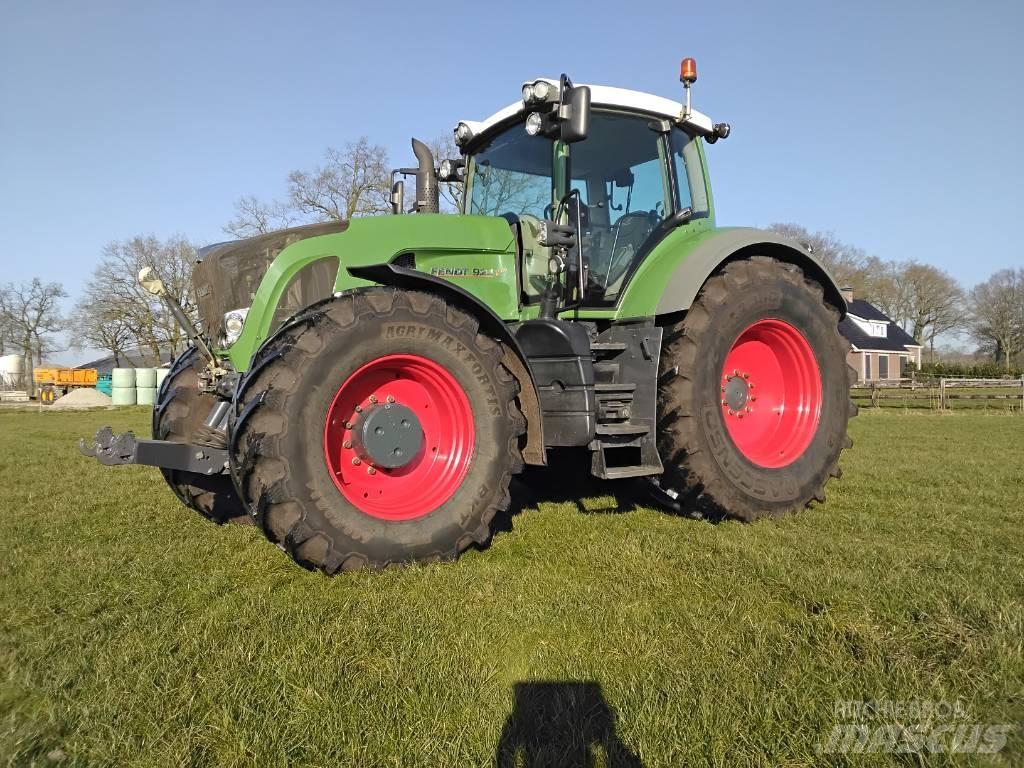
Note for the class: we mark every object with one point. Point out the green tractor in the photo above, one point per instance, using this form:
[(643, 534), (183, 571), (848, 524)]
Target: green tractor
[(365, 390)]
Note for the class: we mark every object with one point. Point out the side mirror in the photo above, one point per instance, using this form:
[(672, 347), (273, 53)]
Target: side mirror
[(575, 114), (398, 197)]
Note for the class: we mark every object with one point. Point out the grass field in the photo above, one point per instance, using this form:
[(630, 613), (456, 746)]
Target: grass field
[(132, 632)]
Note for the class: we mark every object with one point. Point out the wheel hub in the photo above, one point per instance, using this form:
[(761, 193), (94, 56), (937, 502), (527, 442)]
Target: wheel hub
[(399, 437), (737, 393), (388, 435)]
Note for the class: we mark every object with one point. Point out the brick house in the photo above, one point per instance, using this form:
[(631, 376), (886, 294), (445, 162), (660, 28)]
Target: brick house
[(880, 349)]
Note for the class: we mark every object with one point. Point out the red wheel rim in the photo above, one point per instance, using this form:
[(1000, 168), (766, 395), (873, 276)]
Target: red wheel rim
[(430, 477), (771, 393)]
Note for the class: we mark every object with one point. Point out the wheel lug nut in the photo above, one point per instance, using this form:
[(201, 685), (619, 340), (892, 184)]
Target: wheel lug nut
[(746, 375), (355, 461), (347, 444), (373, 398), (752, 398), (391, 398), (348, 425), (725, 402), (371, 470), (359, 409)]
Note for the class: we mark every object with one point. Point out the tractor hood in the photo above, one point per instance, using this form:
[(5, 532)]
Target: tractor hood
[(227, 275), (281, 272)]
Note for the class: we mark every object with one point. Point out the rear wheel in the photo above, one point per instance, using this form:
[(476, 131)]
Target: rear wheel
[(383, 430), (178, 417), (754, 422)]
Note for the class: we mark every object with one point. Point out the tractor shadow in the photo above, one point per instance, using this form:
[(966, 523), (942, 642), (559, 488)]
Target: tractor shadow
[(564, 724), (567, 480)]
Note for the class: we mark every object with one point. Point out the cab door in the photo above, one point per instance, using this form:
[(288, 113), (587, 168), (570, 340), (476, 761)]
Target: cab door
[(635, 174), (622, 172)]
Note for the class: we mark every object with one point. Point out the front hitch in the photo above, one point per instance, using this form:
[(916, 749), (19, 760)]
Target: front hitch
[(125, 448)]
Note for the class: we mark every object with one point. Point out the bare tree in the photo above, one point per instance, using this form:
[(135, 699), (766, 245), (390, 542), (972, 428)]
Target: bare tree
[(256, 217), (116, 302), (7, 334), (102, 325), (932, 301), (849, 265), (997, 315), (353, 182), (31, 315), (444, 148)]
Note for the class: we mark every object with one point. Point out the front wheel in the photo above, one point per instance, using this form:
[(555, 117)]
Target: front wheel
[(383, 430), (178, 416), (756, 416)]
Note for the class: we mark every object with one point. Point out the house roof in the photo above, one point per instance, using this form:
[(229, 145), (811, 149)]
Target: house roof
[(133, 358), (897, 341), (866, 311)]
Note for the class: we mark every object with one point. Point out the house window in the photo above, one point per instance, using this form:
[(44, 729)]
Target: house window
[(883, 366), (874, 328), (867, 366)]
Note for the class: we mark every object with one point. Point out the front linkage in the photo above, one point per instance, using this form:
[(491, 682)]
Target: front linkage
[(125, 448)]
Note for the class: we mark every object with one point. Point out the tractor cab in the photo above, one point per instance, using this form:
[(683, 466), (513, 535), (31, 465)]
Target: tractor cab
[(620, 169)]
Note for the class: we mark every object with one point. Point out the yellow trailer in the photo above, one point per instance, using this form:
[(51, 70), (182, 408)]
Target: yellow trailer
[(57, 382)]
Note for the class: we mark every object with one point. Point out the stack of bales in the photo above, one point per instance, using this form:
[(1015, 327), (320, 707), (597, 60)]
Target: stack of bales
[(145, 386), (131, 386), (122, 389)]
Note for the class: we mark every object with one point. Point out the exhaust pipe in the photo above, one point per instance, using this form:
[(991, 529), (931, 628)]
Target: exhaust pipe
[(427, 192)]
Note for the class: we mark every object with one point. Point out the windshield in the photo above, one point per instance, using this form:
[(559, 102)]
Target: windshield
[(511, 175)]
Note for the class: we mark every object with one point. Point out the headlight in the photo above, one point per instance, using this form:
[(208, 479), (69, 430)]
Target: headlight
[(232, 324), (463, 133), (450, 170), (534, 123)]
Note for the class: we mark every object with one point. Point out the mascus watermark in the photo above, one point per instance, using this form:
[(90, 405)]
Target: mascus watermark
[(912, 726)]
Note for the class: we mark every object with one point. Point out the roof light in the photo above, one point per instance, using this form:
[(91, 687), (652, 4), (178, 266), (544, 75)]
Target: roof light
[(688, 71), (538, 91), (463, 133)]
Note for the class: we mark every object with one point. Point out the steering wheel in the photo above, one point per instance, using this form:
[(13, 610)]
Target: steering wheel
[(617, 265)]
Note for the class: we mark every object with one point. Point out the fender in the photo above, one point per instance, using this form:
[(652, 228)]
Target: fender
[(515, 358), (733, 243)]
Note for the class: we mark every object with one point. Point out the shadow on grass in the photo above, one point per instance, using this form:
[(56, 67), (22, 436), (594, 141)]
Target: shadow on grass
[(567, 479), (565, 724)]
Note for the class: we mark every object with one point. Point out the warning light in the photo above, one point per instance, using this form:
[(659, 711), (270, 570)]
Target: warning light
[(688, 71)]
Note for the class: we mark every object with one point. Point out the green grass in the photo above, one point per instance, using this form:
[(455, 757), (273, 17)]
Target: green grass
[(132, 632)]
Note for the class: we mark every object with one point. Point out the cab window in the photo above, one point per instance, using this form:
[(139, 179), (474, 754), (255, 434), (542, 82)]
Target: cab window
[(689, 173), (620, 170), (511, 176)]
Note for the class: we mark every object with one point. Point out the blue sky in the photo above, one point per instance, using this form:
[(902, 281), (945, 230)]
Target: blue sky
[(894, 124)]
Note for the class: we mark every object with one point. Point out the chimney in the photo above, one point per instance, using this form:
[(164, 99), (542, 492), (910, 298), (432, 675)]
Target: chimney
[(847, 294)]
